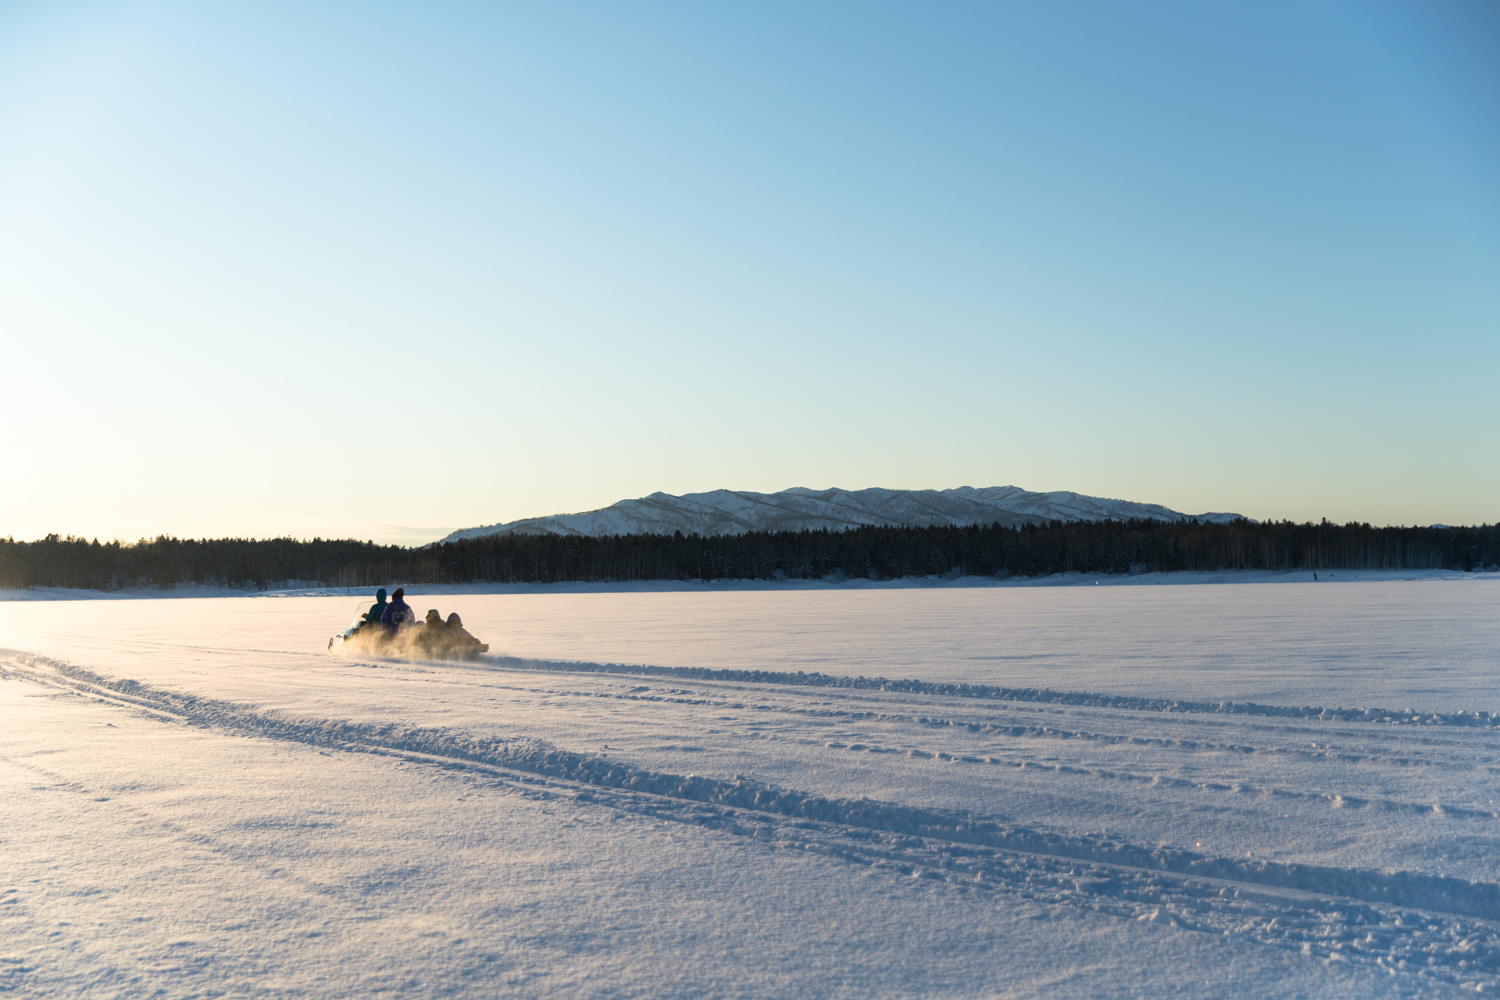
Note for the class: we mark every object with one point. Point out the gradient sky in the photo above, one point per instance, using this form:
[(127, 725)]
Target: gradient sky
[(390, 270)]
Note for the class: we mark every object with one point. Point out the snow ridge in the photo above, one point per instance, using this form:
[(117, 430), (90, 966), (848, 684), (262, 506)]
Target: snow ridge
[(990, 692), (731, 512), (1439, 941)]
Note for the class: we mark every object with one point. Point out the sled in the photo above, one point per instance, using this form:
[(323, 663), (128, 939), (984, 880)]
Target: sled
[(414, 640)]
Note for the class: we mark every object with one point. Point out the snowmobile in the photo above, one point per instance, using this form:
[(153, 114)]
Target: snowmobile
[(414, 639)]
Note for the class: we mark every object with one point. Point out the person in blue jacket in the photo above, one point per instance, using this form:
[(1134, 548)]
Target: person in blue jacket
[(398, 612), (377, 610)]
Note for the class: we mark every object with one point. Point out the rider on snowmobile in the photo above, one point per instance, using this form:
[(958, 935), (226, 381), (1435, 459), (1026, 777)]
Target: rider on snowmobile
[(461, 635), (433, 637), (377, 610), (398, 612)]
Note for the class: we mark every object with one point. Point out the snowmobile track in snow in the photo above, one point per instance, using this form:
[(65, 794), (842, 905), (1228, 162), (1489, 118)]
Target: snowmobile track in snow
[(1334, 799), (1425, 926), (988, 692)]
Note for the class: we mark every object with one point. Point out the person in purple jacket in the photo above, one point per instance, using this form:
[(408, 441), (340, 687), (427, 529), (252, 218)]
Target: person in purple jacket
[(398, 612)]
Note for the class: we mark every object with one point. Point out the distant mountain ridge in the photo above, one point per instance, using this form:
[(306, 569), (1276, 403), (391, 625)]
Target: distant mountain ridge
[(730, 512)]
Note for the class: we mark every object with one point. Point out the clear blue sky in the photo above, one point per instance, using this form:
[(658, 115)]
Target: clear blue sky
[(390, 270)]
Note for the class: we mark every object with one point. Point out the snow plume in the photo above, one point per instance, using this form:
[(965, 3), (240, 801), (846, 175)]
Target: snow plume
[(377, 640), (405, 641)]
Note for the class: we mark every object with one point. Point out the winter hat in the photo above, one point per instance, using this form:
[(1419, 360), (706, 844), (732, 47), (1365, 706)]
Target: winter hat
[(454, 620), (433, 616), (400, 591)]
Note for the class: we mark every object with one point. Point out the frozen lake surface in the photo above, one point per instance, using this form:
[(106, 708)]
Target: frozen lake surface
[(199, 800)]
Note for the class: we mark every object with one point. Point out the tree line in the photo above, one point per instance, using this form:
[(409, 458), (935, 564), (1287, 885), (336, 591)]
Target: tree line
[(877, 553)]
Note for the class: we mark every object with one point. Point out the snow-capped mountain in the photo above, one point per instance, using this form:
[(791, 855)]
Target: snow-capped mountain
[(730, 512)]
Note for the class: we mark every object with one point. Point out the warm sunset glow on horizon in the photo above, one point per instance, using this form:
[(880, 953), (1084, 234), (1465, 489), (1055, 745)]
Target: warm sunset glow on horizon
[(278, 270)]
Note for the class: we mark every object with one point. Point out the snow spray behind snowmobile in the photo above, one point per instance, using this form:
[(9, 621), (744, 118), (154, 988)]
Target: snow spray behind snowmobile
[(432, 639)]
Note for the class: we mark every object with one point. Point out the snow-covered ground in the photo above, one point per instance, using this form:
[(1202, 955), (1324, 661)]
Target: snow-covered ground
[(1177, 579), (637, 794), (732, 512)]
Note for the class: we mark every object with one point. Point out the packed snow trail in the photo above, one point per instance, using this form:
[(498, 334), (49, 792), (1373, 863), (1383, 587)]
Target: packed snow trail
[(1090, 835), (143, 858), (1045, 696), (1349, 915)]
